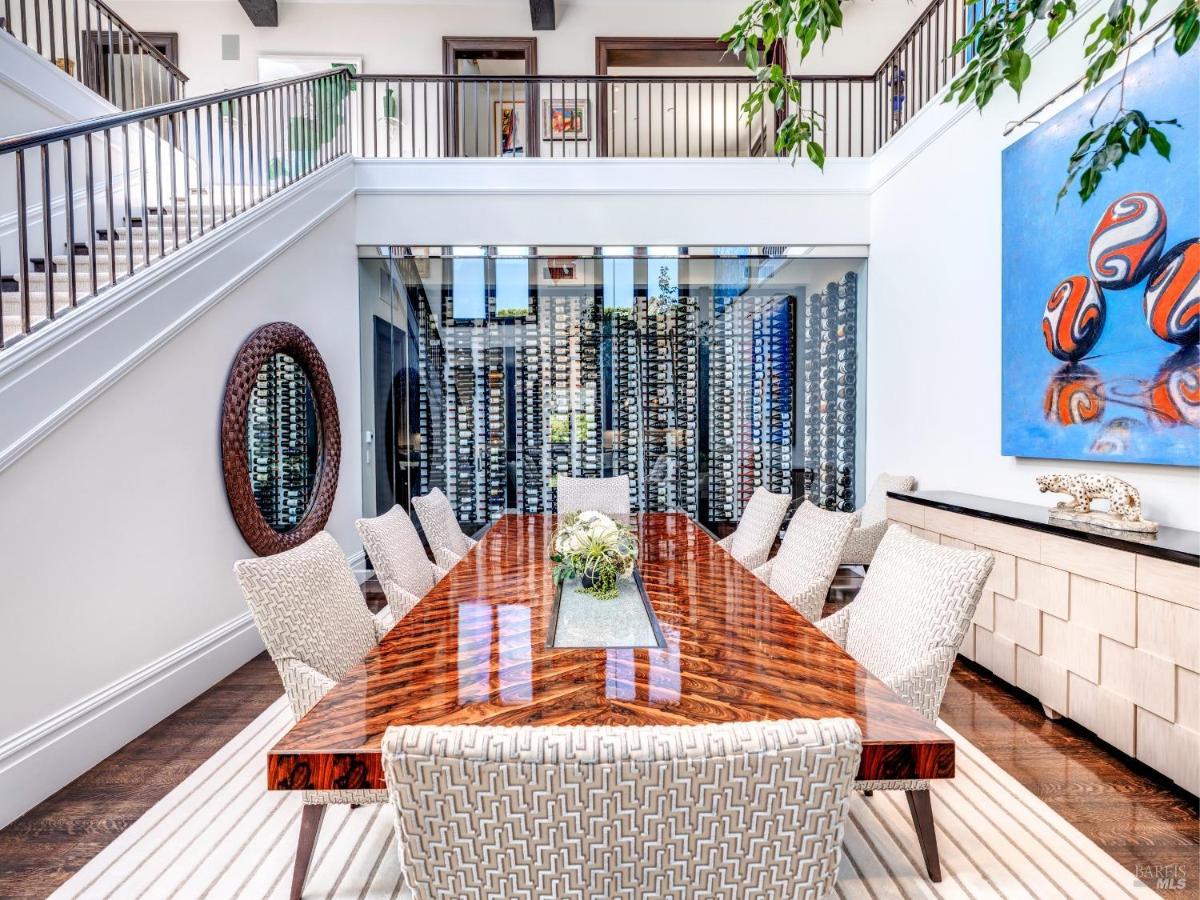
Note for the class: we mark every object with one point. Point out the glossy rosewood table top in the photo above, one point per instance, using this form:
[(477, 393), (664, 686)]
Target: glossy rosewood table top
[(473, 651)]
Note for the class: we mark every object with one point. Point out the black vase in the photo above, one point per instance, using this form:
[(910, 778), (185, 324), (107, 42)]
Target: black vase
[(586, 581)]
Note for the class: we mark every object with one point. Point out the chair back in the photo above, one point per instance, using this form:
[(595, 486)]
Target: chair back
[(439, 523), (396, 552), (811, 551), (915, 603), (751, 542), (607, 495), (308, 606), (875, 509), (561, 811)]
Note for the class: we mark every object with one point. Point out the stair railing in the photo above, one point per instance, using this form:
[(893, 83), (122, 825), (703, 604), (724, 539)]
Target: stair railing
[(91, 43), (85, 206)]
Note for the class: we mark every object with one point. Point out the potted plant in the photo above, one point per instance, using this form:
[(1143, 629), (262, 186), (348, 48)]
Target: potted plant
[(593, 548)]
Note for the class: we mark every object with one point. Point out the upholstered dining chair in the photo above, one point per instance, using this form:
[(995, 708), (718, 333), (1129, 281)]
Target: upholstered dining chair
[(593, 811), (404, 571), (607, 495), (442, 531), (905, 626), (752, 540), (808, 556), (315, 624), (860, 549)]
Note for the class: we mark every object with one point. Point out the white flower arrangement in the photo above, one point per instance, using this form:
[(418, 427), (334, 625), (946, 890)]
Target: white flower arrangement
[(593, 548)]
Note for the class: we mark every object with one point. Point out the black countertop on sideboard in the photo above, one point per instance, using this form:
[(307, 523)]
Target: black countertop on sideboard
[(1174, 544)]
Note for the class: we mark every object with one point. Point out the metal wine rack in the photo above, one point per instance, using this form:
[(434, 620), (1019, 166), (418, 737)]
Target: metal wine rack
[(830, 394), (278, 442)]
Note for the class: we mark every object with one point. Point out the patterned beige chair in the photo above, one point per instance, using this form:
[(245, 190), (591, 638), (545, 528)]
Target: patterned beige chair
[(803, 569), (873, 519), (905, 626), (607, 495), (404, 571), (316, 626), (442, 531), (751, 543), (554, 811)]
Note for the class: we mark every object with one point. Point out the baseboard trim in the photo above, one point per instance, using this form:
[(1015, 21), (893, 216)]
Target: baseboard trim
[(43, 758), (36, 762)]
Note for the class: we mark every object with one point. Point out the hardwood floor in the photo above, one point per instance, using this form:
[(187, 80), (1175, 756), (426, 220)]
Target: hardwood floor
[(1144, 823)]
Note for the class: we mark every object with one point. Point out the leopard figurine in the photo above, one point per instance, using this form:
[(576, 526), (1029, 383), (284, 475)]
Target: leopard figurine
[(1123, 498)]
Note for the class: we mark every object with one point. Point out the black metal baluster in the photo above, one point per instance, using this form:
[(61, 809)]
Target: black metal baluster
[(47, 227), (141, 133), (50, 30), (78, 46), (23, 242), (158, 186), (69, 211), (91, 213), (110, 223)]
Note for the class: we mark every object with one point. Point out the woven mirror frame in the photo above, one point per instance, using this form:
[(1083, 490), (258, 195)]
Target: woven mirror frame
[(261, 346)]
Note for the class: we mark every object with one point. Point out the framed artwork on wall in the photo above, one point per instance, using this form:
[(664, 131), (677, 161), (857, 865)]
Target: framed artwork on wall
[(564, 120), (1101, 300), (508, 127)]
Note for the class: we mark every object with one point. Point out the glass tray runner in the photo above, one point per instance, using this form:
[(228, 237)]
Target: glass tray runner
[(625, 622)]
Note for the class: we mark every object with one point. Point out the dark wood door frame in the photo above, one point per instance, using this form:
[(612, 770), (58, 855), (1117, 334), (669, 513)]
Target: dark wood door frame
[(97, 45), (456, 48), (663, 52)]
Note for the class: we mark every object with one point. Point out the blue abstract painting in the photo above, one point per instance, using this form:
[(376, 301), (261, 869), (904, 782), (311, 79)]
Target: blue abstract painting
[(1101, 300)]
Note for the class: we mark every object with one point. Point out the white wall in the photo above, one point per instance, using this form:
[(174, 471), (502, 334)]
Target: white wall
[(116, 540), (406, 38), (701, 202), (933, 379)]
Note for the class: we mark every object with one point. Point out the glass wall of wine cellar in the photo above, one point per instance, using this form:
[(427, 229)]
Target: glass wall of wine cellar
[(698, 372)]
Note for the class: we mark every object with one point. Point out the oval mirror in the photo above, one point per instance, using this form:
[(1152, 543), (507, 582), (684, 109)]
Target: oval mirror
[(280, 439)]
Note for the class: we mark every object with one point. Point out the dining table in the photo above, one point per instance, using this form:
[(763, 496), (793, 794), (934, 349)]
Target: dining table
[(479, 649)]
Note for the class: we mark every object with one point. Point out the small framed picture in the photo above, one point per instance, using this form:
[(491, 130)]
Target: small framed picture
[(509, 127), (560, 270), (564, 120)]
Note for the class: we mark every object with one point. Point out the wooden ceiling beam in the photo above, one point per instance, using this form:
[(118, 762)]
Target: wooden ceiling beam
[(541, 12), (262, 13)]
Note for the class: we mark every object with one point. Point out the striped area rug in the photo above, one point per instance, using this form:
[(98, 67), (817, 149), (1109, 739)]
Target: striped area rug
[(220, 834)]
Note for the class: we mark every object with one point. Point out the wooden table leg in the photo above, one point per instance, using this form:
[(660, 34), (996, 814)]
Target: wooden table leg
[(310, 824), (921, 807)]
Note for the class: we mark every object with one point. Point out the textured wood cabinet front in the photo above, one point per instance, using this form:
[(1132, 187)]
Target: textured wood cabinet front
[(1106, 637)]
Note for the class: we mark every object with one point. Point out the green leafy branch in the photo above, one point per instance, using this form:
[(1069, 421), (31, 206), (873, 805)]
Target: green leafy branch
[(752, 37), (998, 56), (996, 47)]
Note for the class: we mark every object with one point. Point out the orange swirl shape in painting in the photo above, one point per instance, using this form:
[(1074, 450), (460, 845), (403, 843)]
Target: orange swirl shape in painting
[(1175, 395), (1127, 241), (1074, 396), (1074, 317), (1172, 301)]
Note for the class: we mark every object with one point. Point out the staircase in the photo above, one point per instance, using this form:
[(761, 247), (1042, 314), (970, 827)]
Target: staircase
[(91, 43), (144, 183), (97, 263)]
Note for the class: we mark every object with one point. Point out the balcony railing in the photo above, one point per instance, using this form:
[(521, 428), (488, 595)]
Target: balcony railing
[(85, 206), (90, 42), (445, 116)]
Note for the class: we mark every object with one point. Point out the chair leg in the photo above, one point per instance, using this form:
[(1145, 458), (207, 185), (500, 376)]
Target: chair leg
[(310, 824), (921, 807)]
